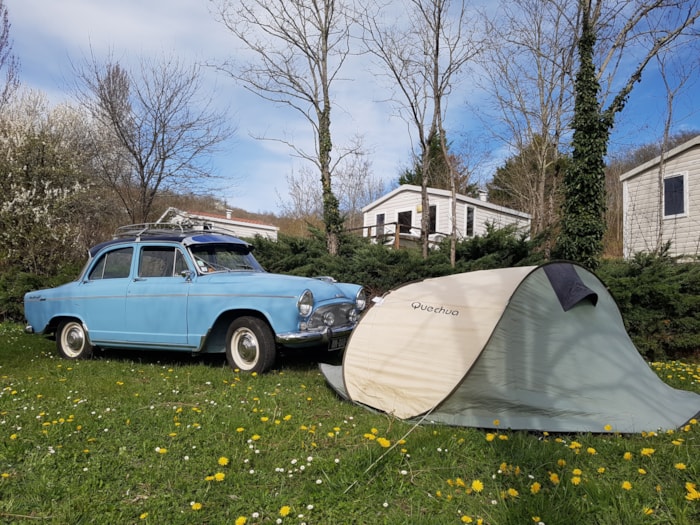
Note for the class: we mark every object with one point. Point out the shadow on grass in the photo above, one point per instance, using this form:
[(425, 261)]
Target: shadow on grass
[(303, 359)]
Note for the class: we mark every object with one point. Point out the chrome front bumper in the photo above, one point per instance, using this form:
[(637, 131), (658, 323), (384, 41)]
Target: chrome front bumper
[(327, 335)]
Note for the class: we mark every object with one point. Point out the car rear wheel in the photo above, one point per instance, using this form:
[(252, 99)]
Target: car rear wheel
[(250, 345), (72, 341)]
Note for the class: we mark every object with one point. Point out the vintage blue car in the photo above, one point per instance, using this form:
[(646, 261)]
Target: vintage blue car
[(162, 287)]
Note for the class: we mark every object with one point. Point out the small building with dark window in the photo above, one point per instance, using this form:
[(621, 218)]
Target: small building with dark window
[(661, 203), (402, 210)]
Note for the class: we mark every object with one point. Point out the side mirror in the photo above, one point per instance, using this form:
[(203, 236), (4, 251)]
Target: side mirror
[(187, 274)]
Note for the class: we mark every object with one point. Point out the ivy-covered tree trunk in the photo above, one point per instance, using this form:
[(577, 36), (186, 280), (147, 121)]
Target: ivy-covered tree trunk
[(583, 210), (332, 219)]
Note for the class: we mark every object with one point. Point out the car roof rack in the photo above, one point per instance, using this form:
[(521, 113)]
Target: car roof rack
[(151, 229)]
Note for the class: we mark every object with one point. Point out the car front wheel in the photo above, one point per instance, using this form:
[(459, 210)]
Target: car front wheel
[(250, 345), (72, 341)]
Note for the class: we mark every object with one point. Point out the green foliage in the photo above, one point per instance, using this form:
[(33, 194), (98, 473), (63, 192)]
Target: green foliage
[(499, 248), (660, 303), (139, 437), (13, 286), (438, 171)]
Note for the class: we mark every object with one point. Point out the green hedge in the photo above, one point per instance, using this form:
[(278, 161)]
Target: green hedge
[(658, 297)]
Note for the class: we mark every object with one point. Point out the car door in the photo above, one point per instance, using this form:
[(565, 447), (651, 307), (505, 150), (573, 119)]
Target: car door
[(156, 301), (102, 295)]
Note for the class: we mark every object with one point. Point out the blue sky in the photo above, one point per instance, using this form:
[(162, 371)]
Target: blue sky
[(50, 34)]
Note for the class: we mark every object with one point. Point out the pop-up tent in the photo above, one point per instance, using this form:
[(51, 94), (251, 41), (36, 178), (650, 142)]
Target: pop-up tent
[(537, 348)]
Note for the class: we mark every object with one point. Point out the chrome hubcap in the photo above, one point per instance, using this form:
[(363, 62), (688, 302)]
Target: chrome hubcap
[(247, 347)]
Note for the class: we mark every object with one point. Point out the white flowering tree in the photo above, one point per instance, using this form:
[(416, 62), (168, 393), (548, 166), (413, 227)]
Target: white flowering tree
[(44, 191)]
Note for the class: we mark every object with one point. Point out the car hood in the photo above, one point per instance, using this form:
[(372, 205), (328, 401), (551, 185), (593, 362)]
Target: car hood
[(279, 284)]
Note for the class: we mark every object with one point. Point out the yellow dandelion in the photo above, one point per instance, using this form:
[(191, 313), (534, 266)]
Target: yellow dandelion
[(143, 515), (490, 436), (535, 488), (513, 493), (561, 462), (219, 476), (607, 428), (642, 471), (240, 429), (209, 478), (285, 510), (287, 417), (679, 466), (496, 422), (255, 437), (241, 520), (503, 437), (591, 451), (477, 485), (626, 485), (554, 478), (601, 470), (627, 456), (576, 480), (370, 436), (223, 461), (460, 482), (467, 519), (195, 505), (384, 442), (647, 511), (577, 472), (647, 451)]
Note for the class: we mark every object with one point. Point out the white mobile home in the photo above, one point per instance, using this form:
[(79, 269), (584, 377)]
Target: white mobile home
[(226, 223), (661, 203), (401, 209)]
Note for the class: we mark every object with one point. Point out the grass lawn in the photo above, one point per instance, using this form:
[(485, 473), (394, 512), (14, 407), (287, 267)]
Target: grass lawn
[(145, 438)]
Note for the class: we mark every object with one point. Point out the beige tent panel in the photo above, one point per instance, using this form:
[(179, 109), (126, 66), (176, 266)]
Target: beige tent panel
[(404, 342)]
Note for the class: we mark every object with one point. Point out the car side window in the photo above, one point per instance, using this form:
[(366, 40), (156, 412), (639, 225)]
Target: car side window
[(115, 264), (161, 261)]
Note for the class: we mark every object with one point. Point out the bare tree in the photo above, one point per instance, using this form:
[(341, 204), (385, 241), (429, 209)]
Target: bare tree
[(304, 196), (156, 130), (355, 183), (299, 49), (526, 69), (9, 65), (357, 186), (422, 60)]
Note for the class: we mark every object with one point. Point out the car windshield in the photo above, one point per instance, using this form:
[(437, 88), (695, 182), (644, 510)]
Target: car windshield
[(224, 258)]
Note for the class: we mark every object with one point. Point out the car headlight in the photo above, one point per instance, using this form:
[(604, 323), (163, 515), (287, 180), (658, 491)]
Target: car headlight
[(361, 300), (305, 304)]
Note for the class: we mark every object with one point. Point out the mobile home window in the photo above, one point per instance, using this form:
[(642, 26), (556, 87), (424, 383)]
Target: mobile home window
[(380, 224), (404, 222), (470, 221), (433, 219), (674, 195)]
